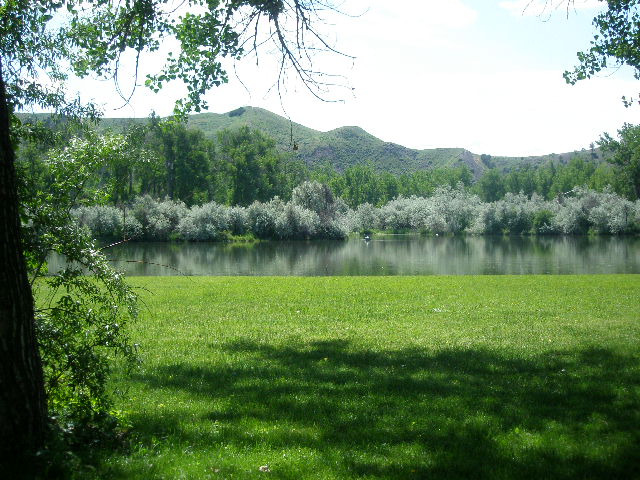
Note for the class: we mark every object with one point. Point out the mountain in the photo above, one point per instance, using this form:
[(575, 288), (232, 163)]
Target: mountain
[(347, 146), (342, 147)]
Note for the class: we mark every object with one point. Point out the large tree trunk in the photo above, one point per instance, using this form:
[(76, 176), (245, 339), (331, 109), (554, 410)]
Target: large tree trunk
[(23, 408)]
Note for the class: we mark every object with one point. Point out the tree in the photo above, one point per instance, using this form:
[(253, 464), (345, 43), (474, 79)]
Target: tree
[(490, 186), (606, 176), (95, 38), (363, 185), (81, 322), (22, 397), (187, 159), (486, 159), (390, 185), (625, 153), (520, 180), (319, 198), (576, 173), (253, 162), (617, 41), (545, 175)]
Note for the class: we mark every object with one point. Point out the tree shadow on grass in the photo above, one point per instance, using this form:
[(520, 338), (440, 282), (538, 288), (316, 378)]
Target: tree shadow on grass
[(413, 413)]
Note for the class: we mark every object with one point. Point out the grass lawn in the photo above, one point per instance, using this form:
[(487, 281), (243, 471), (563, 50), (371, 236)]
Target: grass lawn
[(384, 377)]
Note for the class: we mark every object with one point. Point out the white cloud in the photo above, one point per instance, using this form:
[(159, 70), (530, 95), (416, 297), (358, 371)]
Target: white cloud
[(417, 22), (515, 113), (530, 8), (421, 14)]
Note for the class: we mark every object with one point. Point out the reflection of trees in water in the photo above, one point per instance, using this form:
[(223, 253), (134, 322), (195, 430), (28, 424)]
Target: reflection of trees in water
[(146, 258), (265, 258), (385, 255)]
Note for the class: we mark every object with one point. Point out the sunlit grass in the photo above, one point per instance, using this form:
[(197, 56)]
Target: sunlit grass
[(385, 377)]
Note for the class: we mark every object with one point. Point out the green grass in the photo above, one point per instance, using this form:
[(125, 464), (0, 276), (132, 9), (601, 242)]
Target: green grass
[(385, 377)]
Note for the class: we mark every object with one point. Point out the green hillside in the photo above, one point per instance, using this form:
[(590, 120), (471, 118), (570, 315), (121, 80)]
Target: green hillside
[(350, 145), (341, 147), (346, 146)]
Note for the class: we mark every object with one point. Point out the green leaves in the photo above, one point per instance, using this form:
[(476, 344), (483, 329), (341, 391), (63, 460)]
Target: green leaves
[(626, 154), (42, 43), (617, 41), (82, 311), (254, 166)]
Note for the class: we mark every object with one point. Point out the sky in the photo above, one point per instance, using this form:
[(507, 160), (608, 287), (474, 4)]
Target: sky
[(483, 75)]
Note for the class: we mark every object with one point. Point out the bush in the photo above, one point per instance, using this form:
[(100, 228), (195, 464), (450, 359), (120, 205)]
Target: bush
[(586, 210), (517, 213), (458, 207), (331, 211), (82, 311), (144, 209), (448, 210), (489, 219), (238, 220), (314, 212), (131, 229), (168, 215), (334, 229), (543, 222), (571, 215), (209, 222), (296, 222), (262, 218), (395, 215), (103, 221), (316, 197), (158, 220), (363, 219), (612, 214)]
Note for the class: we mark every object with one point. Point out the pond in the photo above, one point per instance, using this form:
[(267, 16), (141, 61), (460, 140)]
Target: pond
[(383, 255)]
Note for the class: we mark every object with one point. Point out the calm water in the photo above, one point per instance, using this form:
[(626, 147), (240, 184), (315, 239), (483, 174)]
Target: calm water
[(387, 255)]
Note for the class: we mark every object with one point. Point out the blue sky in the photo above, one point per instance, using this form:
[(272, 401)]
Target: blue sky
[(480, 74)]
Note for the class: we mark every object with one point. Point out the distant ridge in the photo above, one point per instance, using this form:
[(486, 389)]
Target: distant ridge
[(341, 147), (345, 146)]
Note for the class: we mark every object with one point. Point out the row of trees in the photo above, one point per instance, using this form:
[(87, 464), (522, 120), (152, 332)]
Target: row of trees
[(362, 183), (167, 159), (550, 180), (314, 212), (621, 172), (244, 173)]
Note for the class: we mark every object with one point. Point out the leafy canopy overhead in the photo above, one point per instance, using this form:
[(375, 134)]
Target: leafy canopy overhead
[(42, 42), (617, 42)]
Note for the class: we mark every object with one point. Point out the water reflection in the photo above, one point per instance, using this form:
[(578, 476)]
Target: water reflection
[(386, 255)]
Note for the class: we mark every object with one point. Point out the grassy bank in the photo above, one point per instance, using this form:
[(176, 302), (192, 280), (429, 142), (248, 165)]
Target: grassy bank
[(386, 377)]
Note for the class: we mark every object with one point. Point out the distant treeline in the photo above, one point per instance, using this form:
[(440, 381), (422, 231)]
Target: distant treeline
[(164, 159)]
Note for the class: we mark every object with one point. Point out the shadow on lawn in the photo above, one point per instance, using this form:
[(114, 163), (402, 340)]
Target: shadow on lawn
[(413, 413)]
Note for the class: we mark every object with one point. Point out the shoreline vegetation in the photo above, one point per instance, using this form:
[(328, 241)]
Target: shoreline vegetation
[(314, 213)]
